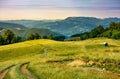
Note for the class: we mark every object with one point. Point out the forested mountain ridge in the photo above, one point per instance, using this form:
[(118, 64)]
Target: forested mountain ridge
[(5, 25), (68, 26), (23, 31)]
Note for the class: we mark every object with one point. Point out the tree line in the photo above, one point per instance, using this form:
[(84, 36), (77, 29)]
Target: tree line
[(113, 31), (50, 36), (8, 37)]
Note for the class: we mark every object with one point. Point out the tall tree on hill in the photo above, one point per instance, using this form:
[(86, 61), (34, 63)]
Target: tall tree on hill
[(30, 37), (118, 25), (8, 36), (1, 40), (112, 26), (16, 39), (44, 37), (51, 36), (36, 36), (97, 31), (84, 36)]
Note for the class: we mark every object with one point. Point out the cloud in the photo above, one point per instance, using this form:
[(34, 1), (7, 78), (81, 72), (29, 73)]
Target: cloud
[(60, 7), (61, 4)]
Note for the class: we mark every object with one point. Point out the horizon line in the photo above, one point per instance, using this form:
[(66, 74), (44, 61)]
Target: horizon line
[(60, 18)]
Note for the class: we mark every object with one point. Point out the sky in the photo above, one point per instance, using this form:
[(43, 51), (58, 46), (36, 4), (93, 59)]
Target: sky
[(58, 9)]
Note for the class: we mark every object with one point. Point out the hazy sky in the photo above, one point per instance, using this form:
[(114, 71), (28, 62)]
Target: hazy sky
[(58, 9)]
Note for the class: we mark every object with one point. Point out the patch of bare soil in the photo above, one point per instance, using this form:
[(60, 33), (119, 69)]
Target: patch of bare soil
[(3, 73), (26, 72), (77, 63)]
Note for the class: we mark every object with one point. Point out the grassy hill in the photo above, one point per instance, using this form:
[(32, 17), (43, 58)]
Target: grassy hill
[(48, 59)]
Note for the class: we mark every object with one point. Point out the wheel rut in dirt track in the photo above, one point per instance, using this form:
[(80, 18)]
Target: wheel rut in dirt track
[(4, 72), (25, 71)]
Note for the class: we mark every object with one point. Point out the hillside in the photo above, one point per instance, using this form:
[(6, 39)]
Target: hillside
[(5, 25), (68, 26), (113, 31), (22, 31), (41, 32), (43, 59)]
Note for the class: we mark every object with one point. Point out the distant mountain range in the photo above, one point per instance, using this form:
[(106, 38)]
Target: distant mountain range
[(40, 31), (23, 31), (4, 25), (68, 26)]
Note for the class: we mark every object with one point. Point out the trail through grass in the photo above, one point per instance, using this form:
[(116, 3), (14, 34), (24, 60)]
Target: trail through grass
[(2, 74), (25, 71), (4, 71)]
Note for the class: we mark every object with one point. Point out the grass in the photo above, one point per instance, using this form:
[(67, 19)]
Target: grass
[(61, 71), (49, 59)]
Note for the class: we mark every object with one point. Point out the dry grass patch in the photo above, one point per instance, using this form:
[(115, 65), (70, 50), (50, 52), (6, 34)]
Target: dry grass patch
[(77, 63)]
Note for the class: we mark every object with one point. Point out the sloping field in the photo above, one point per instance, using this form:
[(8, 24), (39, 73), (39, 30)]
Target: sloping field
[(48, 59)]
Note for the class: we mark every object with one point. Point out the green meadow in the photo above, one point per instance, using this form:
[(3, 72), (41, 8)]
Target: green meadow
[(48, 59)]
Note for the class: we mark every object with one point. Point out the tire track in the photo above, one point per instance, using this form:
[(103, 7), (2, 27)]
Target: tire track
[(4, 72), (25, 71)]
